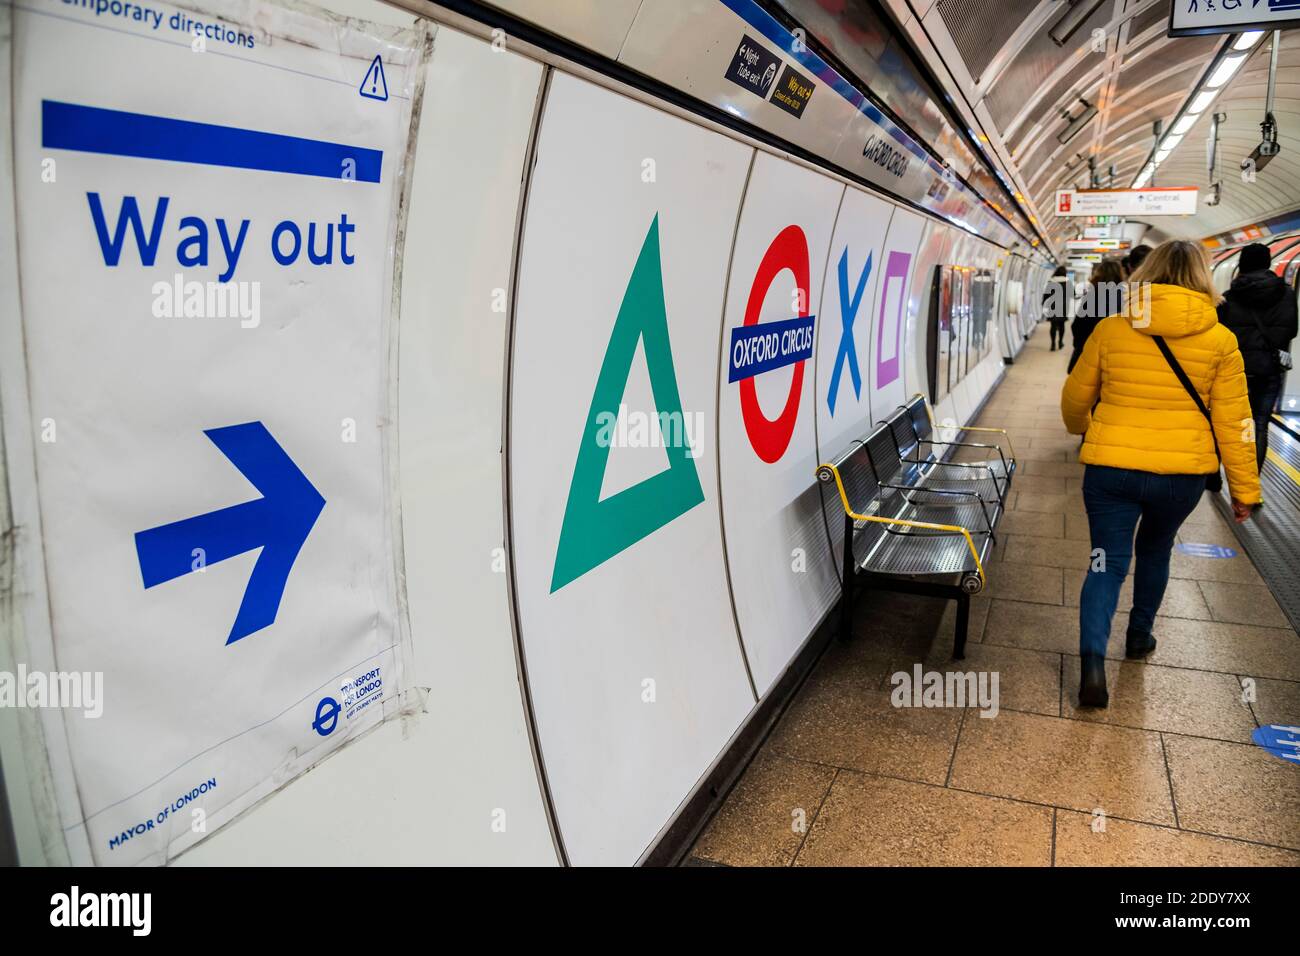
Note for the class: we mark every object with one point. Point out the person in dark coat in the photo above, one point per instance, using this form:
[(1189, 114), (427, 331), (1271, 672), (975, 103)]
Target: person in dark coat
[(1137, 255), (1102, 298), (1260, 309), (1055, 307)]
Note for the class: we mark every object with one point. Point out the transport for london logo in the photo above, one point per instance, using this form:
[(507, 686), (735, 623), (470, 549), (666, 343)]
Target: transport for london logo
[(593, 531), (757, 348)]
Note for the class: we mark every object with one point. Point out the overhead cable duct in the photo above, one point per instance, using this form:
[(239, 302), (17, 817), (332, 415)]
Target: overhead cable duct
[(1073, 18)]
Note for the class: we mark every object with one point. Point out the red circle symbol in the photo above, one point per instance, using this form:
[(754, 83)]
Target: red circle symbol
[(771, 437)]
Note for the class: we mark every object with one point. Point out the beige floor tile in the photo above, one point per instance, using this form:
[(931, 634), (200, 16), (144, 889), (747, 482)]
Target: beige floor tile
[(1040, 627), (1209, 645), (1049, 552), (1173, 699), (1025, 582), (1243, 604), (848, 721), (766, 815), (1235, 790), (1123, 843), (1065, 763), (1076, 527), (1039, 484), (1050, 504), (1276, 702), (1209, 533), (1058, 469), (1039, 524), (875, 821), (1236, 570), (1183, 597)]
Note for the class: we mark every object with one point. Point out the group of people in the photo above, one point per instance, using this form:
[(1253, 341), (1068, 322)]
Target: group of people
[(1169, 382)]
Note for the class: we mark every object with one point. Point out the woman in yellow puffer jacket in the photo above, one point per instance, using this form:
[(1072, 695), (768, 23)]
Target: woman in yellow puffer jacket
[(1148, 447)]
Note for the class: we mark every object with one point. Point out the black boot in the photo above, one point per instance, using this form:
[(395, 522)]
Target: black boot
[(1138, 644), (1092, 682)]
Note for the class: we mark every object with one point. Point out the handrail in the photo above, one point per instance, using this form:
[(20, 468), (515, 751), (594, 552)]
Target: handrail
[(966, 428), (824, 470)]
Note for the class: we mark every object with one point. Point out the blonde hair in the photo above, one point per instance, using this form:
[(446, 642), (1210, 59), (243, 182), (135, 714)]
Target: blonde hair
[(1178, 262)]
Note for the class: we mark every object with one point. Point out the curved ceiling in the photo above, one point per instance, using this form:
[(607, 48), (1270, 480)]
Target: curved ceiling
[(1119, 60)]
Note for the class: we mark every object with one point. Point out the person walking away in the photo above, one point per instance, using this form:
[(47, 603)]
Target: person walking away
[(1055, 297), (1170, 393), (1103, 297), (1260, 309), (1136, 256)]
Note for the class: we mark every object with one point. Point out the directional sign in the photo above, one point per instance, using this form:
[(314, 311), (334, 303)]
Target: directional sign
[(1153, 201), (207, 271), (278, 523), (1193, 17)]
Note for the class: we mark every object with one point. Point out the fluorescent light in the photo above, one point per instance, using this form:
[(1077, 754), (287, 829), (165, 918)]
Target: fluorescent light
[(1203, 99), (1184, 124), (1170, 141), (1223, 72), (1141, 181), (1248, 40), (1162, 155)]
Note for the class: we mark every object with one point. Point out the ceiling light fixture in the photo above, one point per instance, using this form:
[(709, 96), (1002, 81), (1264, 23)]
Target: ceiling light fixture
[(1223, 72), (1248, 40), (1202, 100), (1184, 124)]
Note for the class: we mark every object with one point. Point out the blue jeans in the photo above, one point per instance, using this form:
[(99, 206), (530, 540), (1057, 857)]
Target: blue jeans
[(1116, 498)]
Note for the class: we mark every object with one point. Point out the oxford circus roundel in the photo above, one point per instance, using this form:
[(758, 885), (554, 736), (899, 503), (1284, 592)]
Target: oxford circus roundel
[(756, 348)]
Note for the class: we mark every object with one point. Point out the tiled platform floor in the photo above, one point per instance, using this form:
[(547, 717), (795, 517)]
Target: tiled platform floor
[(1166, 775)]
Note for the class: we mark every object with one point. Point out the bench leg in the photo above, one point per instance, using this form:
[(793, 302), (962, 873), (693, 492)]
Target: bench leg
[(963, 622), (848, 570)]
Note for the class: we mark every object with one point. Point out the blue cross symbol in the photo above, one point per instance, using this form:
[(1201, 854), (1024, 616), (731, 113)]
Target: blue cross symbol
[(848, 353)]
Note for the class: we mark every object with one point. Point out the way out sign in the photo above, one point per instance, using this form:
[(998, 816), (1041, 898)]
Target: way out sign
[(206, 275)]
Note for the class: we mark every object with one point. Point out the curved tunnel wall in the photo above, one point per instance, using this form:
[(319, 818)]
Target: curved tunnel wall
[(634, 595)]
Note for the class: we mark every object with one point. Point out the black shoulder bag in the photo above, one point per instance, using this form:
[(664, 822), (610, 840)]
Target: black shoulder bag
[(1213, 482)]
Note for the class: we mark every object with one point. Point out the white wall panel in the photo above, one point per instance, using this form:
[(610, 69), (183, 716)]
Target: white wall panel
[(632, 655), (781, 574), (430, 789), (599, 25)]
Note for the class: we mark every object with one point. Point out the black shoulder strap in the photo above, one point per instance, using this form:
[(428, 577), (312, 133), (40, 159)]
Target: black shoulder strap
[(1190, 388)]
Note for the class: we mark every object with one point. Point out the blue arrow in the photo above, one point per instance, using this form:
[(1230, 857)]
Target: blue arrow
[(278, 523)]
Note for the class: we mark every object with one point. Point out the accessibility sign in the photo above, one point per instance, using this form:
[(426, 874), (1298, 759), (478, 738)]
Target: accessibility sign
[(1194, 17), (207, 263)]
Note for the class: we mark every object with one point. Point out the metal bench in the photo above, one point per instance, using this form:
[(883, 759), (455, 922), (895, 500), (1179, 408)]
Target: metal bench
[(912, 521)]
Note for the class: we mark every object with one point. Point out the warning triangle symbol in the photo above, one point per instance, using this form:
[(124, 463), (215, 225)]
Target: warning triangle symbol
[(375, 85), (595, 530)]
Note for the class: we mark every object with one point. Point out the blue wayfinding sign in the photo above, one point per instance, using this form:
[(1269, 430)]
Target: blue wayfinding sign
[(765, 346), (278, 523), (1279, 740), (1199, 550)]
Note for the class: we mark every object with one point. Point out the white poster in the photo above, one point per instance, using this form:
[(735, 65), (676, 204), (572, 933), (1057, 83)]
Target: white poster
[(206, 252)]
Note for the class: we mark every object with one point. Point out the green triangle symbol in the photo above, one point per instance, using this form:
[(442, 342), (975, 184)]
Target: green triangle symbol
[(593, 530)]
